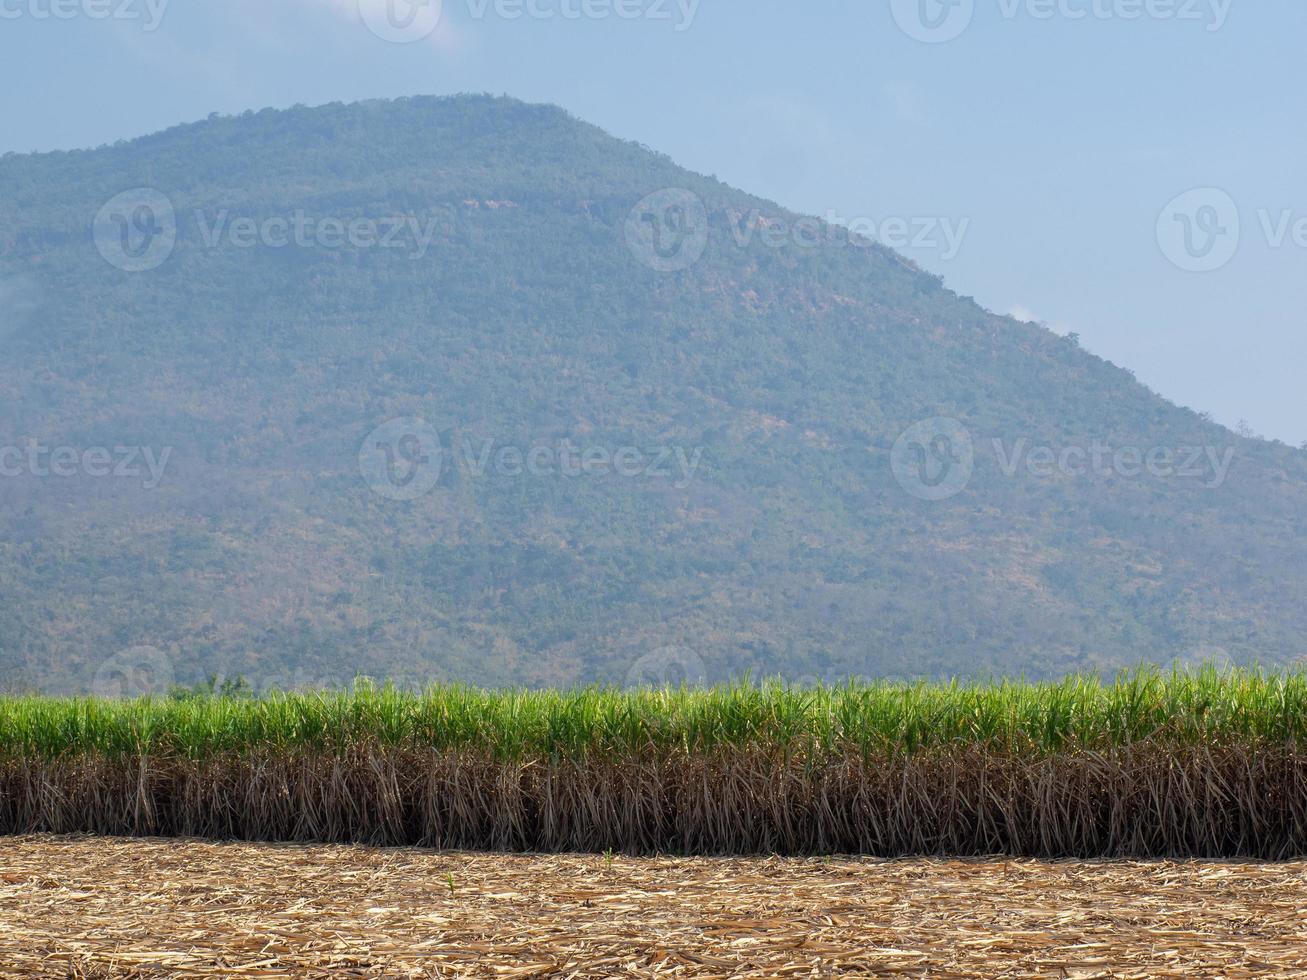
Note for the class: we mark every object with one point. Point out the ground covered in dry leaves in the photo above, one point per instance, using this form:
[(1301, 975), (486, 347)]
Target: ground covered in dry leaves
[(87, 907)]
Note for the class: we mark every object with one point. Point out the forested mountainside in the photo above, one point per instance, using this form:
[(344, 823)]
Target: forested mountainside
[(465, 388)]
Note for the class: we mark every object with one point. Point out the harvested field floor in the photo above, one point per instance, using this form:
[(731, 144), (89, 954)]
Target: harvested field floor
[(115, 907)]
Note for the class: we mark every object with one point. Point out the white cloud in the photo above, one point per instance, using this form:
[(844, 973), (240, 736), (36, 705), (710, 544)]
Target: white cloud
[(1026, 315)]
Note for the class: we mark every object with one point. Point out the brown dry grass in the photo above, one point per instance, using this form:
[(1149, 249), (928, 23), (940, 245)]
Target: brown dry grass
[(113, 907), (1152, 800)]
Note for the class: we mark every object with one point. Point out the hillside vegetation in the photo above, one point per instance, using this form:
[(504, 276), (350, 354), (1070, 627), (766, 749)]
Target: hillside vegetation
[(761, 527)]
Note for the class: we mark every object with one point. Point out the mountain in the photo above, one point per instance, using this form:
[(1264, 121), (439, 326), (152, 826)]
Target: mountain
[(464, 388)]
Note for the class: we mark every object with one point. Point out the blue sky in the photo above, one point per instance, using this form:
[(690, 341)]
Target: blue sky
[(1063, 137)]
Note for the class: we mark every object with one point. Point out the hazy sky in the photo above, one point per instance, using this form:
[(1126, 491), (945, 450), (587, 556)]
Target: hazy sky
[(1056, 136)]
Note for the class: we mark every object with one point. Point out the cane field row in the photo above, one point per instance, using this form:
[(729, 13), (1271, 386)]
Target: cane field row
[(1189, 709)]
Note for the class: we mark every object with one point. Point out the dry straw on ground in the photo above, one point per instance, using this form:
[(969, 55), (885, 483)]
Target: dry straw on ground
[(87, 907)]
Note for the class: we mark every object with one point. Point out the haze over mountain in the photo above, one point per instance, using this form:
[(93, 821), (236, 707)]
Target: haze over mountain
[(466, 389)]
